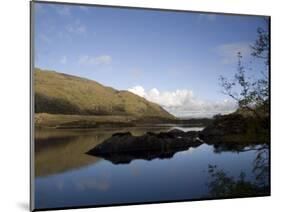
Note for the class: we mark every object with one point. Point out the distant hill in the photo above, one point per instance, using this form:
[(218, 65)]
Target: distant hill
[(59, 93)]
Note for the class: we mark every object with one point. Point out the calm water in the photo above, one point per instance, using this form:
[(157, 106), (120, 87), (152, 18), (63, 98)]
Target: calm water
[(67, 177)]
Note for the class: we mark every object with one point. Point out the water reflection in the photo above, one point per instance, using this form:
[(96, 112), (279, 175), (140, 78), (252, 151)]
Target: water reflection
[(122, 148), (222, 184), (67, 177), (128, 157), (58, 151)]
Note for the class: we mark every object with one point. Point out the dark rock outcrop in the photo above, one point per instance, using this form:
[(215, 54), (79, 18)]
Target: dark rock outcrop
[(124, 147), (228, 131)]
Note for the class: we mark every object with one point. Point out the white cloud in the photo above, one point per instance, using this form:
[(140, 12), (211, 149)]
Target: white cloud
[(139, 90), (99, 60), (63, 60), (229, 51), (76, 27), (183, 103)]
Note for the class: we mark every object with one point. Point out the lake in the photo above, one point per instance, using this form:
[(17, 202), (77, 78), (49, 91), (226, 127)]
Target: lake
[(67, 177)]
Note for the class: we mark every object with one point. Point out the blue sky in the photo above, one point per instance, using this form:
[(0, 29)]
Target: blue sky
[(171, 58)]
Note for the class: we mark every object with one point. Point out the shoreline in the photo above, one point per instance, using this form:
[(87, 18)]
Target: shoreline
[(60, 121)]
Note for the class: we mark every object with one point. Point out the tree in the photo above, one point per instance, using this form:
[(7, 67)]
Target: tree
[(251, 94), (261, 47)]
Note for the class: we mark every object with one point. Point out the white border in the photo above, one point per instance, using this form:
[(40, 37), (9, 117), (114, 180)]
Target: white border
[(15, 98)]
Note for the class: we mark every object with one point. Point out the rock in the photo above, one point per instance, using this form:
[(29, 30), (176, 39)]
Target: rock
[(124, 147), (177, 132), (122, 134)]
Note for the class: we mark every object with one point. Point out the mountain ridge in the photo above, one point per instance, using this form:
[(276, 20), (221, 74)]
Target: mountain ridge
[(60, 93)]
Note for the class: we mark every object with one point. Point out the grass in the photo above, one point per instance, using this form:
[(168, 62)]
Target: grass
[(58, 93), (79, 121)]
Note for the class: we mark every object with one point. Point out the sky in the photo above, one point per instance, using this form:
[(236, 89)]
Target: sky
[(170, 58)]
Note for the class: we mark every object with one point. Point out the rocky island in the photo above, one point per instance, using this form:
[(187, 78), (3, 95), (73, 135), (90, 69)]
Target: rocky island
[(124, 147), (227, 130)]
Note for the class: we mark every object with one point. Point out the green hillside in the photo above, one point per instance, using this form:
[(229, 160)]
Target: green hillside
[(58, 93)]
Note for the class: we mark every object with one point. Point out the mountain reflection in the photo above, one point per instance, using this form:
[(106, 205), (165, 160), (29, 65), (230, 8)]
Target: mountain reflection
[(58, 151)]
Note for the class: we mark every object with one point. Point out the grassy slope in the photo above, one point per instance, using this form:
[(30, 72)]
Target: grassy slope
[(57, 93)]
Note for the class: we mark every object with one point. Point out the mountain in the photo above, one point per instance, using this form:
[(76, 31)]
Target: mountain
[(59, 93)]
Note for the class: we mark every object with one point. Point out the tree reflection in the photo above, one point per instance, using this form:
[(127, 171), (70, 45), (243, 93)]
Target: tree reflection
[(261, 166), (222, 185)]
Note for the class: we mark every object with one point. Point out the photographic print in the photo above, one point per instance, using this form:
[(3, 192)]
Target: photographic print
[(138, 106)]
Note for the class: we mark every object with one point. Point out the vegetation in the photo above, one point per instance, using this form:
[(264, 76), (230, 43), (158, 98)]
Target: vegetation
[(221, 184), (251, 122), (61, 121), (81, 101), (58, 93), (236, 129), (252, 95), (200, 122)]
